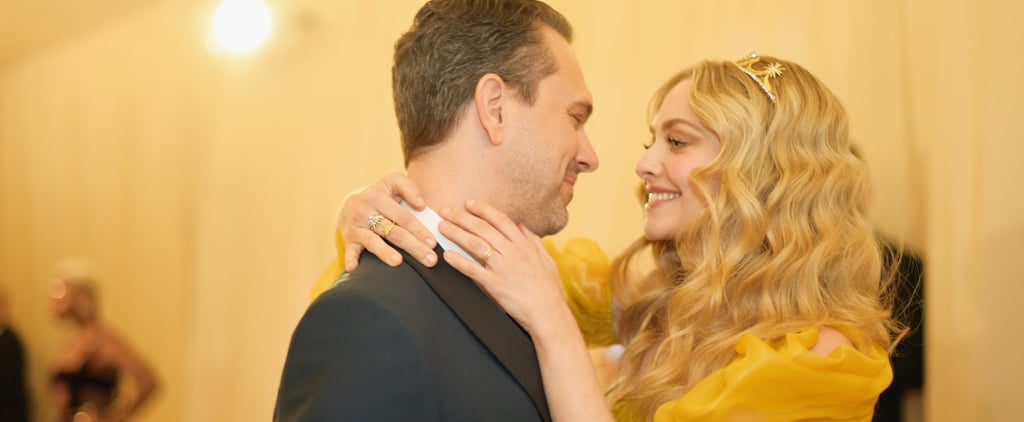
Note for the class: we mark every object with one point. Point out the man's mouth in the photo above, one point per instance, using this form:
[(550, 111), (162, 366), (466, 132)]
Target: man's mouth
[(570, 178)]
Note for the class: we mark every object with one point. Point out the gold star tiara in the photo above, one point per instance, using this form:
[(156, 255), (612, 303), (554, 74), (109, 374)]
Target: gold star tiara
[(763, 76)]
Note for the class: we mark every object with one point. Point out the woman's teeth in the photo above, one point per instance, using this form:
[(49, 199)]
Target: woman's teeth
[(662, 196)]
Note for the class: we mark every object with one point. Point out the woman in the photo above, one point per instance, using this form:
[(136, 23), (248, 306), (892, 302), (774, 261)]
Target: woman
[(764, 303), (88, 377)]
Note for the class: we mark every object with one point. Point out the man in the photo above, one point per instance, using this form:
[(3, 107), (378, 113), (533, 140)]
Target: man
[(491, 105)]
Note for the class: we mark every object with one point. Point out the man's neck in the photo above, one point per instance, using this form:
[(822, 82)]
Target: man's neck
[(446, 179), (448, 182)]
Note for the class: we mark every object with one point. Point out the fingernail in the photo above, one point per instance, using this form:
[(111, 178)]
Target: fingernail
[(445, 211), (470, 202), (431, 259), (431, 242)]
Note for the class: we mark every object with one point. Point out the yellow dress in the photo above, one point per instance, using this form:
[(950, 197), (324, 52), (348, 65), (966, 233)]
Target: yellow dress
[(768, 381), (785, 381)]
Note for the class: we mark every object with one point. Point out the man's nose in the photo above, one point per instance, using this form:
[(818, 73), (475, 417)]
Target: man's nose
[(587, 160)]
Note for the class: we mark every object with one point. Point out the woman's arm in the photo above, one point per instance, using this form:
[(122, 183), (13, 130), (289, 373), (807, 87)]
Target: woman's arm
[(143, 380), (582, 266), (570, 380), (513, 266)]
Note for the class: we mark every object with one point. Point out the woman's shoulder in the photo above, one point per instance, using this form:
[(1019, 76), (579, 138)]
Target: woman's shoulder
[(829, 339), (836, 343)]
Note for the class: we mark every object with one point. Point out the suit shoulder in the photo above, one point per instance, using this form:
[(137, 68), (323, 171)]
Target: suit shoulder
[(357, 313), (390, 287), (349, 338)]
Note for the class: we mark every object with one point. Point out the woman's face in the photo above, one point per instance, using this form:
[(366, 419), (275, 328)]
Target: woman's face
[(680, 145)]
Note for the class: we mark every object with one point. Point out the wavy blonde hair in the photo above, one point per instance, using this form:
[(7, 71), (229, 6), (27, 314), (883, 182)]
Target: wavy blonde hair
[(782, 246)]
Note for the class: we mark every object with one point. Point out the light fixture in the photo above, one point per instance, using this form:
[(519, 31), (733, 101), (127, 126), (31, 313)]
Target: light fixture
[(239, 26)]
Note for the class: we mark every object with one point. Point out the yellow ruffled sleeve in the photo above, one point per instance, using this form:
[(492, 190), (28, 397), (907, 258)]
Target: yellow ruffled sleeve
[(333, 270), (786, 382), (585, 272)]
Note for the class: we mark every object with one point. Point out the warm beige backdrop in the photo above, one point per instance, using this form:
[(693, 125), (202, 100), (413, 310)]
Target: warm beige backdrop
[(206, 187)]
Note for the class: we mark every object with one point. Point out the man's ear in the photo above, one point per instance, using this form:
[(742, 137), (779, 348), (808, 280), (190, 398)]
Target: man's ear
[(491, 99)]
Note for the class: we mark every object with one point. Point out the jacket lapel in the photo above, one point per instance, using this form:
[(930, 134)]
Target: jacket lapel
[(506, 340)]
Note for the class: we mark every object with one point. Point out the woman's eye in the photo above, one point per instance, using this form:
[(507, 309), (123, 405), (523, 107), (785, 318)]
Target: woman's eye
[(673, 142)]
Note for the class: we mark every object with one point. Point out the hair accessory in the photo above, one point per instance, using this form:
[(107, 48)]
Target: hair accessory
[(763, 76)]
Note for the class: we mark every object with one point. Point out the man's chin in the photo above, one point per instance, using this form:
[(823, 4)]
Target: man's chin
[(551, 223)]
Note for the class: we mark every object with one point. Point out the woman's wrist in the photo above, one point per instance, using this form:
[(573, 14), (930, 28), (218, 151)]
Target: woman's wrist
[(555, 326)]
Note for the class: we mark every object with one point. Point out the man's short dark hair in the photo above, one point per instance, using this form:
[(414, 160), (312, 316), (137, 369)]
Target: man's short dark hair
[(451, 45)]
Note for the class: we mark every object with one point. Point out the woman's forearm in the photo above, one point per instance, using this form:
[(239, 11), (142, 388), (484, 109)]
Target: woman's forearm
[(570, 381)]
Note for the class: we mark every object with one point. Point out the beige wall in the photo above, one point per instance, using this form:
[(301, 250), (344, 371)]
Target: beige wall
[(206, 187)]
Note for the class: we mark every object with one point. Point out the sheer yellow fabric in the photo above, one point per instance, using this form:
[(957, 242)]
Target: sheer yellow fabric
[(582, 266), (786, 382), (333, 270), (584, 269)]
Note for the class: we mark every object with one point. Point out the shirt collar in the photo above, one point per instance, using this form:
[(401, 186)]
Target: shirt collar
[(430, 219)]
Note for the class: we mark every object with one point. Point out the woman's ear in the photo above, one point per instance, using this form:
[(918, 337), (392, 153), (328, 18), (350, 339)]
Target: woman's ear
[(490, 99)]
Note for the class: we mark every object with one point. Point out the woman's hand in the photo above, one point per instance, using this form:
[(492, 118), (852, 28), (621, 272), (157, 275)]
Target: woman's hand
[(512, 266), (396, 223), (516, 270)]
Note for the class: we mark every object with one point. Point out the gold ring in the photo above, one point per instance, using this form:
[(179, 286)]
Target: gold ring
[(487, 254), (386, 226), (380, 224)]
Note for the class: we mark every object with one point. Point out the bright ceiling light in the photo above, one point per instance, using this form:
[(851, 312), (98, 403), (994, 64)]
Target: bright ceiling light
[(241, 26)]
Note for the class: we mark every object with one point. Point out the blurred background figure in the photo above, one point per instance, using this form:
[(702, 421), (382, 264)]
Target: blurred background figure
[(97, 377), (13, 390), (901, 401)]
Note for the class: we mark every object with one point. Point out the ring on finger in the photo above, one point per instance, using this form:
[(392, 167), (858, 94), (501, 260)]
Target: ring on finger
[(380, 224), (487, 253), (385, 227)]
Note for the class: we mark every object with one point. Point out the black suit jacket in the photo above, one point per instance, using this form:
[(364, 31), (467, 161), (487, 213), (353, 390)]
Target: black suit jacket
[(409, 343)]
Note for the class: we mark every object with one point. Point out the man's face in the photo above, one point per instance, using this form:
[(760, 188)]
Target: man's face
[(548, 144)]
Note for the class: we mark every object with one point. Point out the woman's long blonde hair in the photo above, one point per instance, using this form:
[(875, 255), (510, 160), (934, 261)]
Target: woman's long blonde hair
[(782, 246)]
